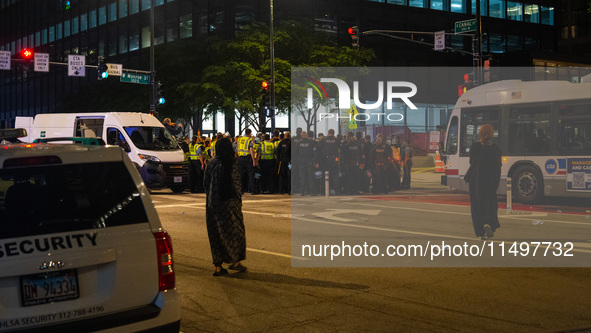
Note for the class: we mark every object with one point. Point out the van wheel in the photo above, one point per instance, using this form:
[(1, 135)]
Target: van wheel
[(528, 185), (178, 188)]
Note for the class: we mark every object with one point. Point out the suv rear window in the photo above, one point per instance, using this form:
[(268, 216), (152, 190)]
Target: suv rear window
[(70, 197)]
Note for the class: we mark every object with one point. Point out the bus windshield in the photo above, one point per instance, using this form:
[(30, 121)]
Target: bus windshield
[(151, 138)]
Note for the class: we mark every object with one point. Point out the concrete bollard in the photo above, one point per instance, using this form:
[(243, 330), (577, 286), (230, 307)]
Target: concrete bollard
[(326, 188)]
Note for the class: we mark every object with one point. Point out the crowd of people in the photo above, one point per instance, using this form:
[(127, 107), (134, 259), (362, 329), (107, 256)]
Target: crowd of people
[(283, 164)]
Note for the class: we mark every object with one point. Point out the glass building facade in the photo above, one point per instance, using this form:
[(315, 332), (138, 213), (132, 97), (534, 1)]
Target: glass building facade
[(119, 30)]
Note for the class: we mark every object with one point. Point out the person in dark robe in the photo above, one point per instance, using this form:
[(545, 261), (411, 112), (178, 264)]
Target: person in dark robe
[(225, 223), (485, 162)]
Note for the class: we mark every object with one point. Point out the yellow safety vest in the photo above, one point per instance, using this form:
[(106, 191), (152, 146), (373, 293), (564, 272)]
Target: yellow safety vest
[(267, 151), (205, 154), (255, 149), (213, 148), (243, 144), (193, 151)]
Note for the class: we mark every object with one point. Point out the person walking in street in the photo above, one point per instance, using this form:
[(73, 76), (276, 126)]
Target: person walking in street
[(223, 213), (483, 179)]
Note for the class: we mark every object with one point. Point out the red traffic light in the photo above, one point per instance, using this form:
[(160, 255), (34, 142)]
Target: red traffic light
[(265, 85), (351, 31), (26, 54)]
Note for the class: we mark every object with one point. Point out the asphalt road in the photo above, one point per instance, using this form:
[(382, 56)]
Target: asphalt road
[(283, 291)]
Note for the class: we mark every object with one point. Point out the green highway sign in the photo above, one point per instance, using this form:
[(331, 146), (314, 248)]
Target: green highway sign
[(466, 26), (135, 78)]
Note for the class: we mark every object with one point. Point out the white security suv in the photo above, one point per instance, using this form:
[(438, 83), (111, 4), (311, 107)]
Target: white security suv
[(81, 245)]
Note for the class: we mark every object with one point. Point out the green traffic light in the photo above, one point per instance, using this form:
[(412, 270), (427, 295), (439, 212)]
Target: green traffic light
[(104, 75)]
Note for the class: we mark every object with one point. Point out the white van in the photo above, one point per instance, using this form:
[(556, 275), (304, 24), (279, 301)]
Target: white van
[(82, 247), (152, 149)]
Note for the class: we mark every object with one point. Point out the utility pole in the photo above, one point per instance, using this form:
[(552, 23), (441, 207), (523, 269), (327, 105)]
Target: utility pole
[(478, 46), (272, 58), (152, 73)]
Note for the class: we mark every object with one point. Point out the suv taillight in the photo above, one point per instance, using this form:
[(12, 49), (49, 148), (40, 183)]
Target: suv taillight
[(166, 278)]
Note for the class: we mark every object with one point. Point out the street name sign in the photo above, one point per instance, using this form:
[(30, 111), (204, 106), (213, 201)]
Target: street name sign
[(440, 40), (466, 26), (114, 69), (135, 78), (76, 65), (41, 62), (4, 59)]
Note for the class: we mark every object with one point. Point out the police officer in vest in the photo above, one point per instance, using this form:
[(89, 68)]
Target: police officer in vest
[(328, 151), (406, 157), (395, 165), (247, 160), (306, 151), (378, 160), (352, 158), (196, 172), (267, 164)]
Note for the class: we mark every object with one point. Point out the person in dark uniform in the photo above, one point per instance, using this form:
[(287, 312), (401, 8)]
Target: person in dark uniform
[(306, 151), (395, 165), (352, 157), (247, 160), (406, 157), (328, 152), (295, 141), (283, 155), (378, 161)]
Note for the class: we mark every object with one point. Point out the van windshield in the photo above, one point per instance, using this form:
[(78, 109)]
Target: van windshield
[(60, 198), (151, 138)]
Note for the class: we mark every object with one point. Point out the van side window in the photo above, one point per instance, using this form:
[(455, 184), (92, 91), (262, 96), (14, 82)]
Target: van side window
[(89, 127), (114, 137)]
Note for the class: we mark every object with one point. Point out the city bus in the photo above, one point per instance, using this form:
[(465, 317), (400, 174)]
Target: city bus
[(543, 129)]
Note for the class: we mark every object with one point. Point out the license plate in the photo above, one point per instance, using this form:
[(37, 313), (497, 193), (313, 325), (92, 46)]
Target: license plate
[(49, 287), (178, 179)]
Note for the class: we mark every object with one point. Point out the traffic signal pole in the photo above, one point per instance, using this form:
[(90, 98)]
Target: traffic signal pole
[(272, 60), (152, 73)]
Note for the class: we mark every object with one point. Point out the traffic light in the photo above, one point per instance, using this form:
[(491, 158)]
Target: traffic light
[(354, 33), (26, 54), (159, 97), (267, 90), (468, 84), (102, 68)]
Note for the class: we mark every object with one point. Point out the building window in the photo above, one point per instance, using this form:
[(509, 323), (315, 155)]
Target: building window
[(134, 38), (75, 25), (134, 7), (186, 26), (437, 4), (514, 11), (59, 31), (547, 15), (123, 43), (122, 8), (67, 28), (531, 14), (497, 43), (514, 43), (44, 37), (102, 15), (145, 37), (458, 6), (92, 19), (146, 4), (161, 2), (83, 22), (113, 12), (418, 3), (397, 2), (483, 7), (51, 34), (497, 8)]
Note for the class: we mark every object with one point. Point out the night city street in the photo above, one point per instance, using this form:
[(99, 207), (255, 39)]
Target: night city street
[(274, 296)]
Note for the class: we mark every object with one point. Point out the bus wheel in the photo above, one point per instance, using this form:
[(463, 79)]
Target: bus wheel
[(528, 185)]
